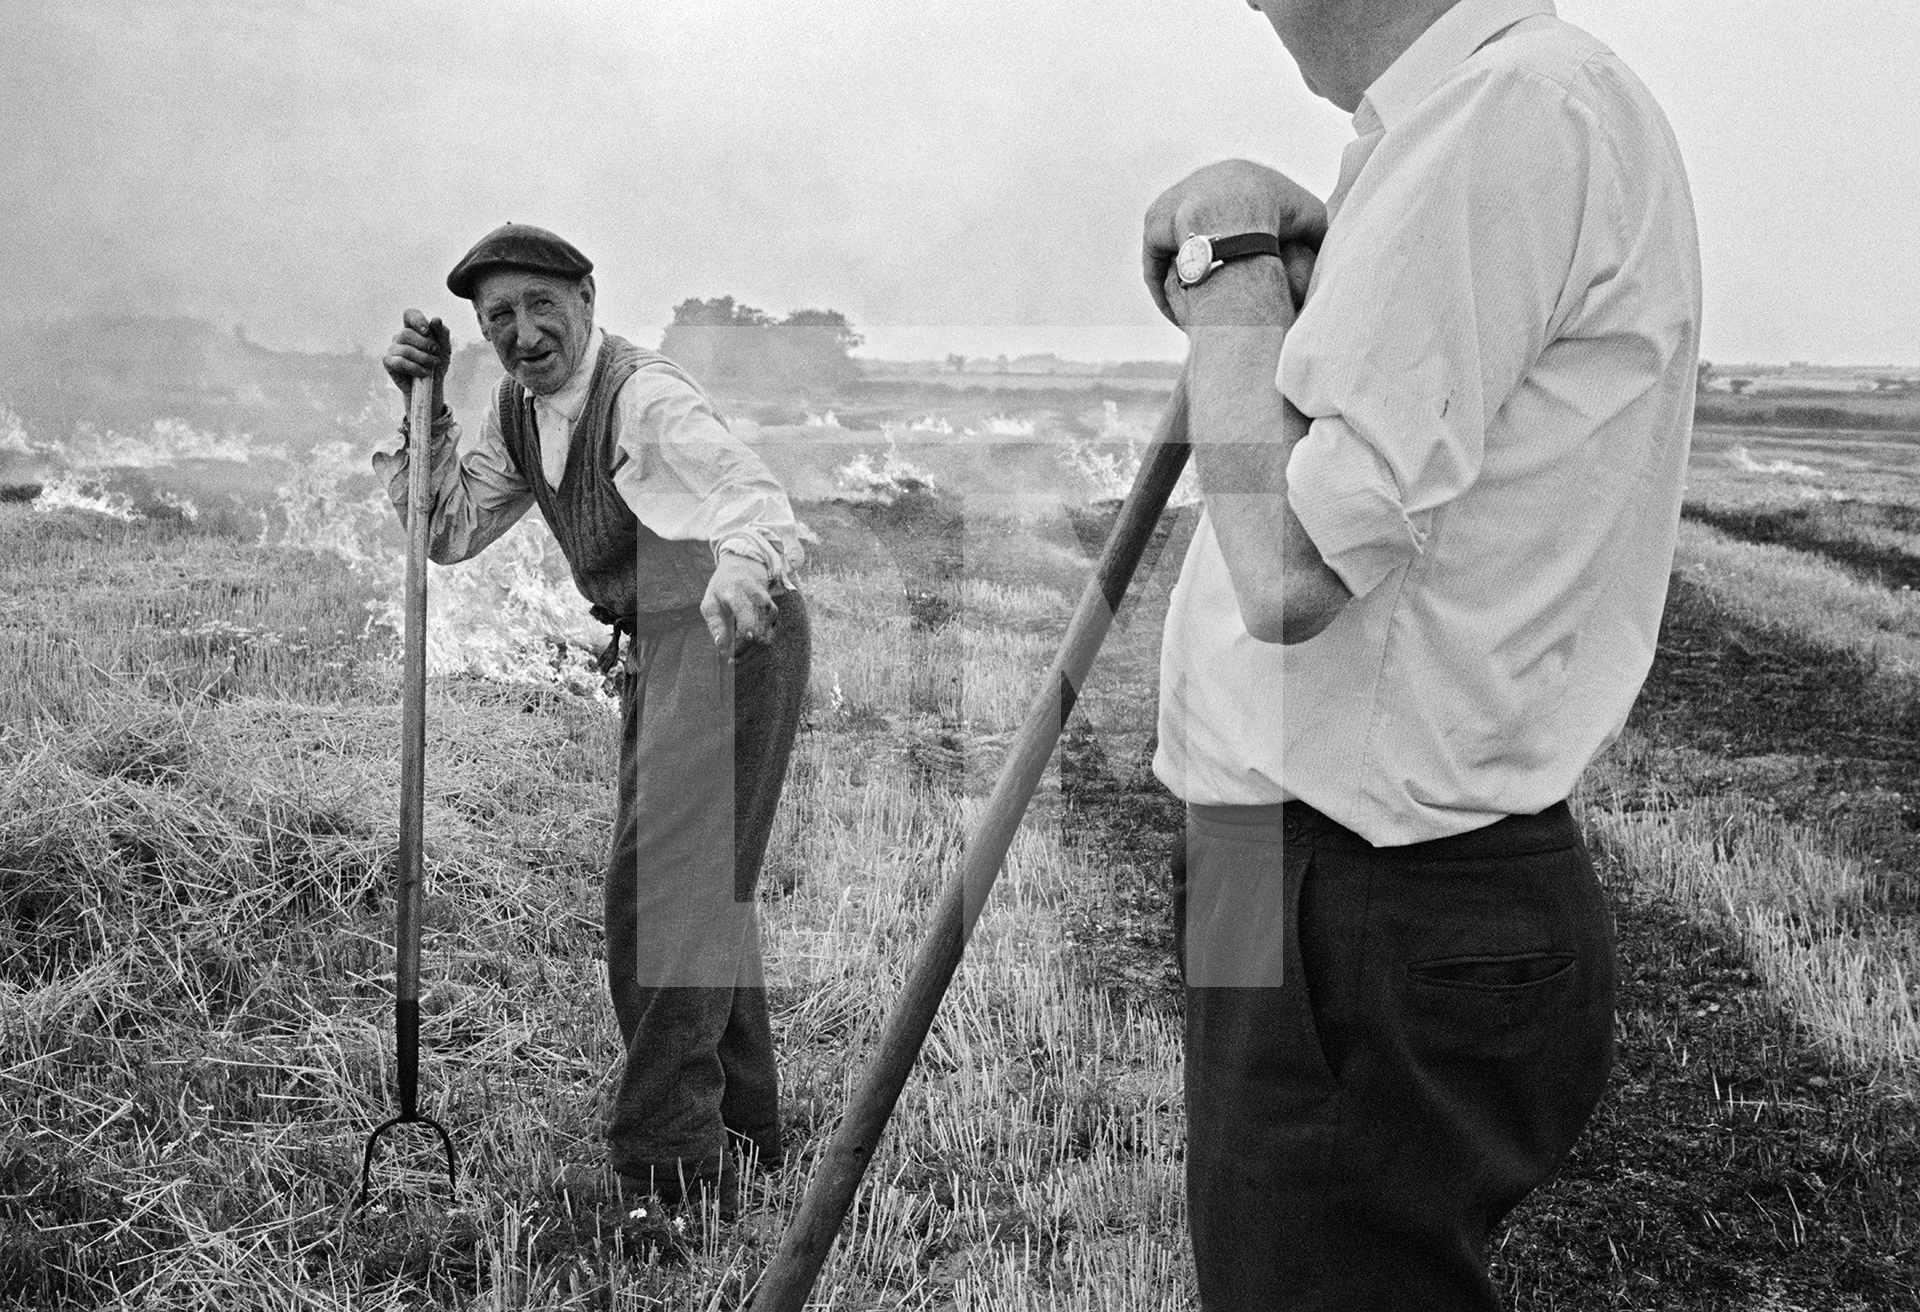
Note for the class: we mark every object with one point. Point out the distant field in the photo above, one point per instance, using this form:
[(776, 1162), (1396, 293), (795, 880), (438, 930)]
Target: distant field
[(1799, 465), (1022, 382), (1812, 408)]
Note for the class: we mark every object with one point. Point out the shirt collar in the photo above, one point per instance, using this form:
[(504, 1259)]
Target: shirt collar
[(1436, 52), (571, 398)]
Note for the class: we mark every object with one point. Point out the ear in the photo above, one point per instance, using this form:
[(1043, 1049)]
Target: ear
[(586, 289)]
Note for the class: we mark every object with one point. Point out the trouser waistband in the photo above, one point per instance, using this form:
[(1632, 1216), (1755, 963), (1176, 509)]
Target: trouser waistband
[(1514, 835)]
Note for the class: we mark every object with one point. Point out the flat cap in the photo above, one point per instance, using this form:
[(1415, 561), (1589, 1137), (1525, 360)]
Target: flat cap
[(517, 246)]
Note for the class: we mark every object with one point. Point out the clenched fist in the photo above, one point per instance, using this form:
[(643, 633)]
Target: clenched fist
[(421, 349), (1222, 199)]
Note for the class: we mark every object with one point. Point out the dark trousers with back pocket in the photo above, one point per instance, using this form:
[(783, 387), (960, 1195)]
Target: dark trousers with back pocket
[(1387, 1049)]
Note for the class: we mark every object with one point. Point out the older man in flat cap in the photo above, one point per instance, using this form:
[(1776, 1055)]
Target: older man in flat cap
[(682, 540)]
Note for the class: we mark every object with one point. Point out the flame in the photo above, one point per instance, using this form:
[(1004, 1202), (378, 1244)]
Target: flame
[(895, 476), (1008, 426), (165, 443), (1110, 473), (510, 614), (1743, 459), (69, 491)]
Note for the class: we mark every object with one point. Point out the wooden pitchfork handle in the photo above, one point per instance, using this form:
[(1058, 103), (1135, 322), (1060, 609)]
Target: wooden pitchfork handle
[(803, 1248), (413, 784)]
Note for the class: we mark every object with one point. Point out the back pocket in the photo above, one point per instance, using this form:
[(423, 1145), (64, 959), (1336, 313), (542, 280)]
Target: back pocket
[(1493, 1007), (1512, 970)]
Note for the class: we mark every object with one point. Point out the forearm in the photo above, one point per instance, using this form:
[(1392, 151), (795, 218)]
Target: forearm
[(694, 480), (1243, 431), (472, 504), (747, 516)]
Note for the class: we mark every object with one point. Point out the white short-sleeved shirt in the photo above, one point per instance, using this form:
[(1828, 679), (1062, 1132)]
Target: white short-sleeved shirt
[(1497, 356)]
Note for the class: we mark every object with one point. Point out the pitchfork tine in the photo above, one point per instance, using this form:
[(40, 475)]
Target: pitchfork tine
[(366, 1164)]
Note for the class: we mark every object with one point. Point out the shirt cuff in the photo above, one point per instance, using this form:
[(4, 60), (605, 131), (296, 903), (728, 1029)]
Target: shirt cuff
[(443, 442), (1347, 500), (762, 547)]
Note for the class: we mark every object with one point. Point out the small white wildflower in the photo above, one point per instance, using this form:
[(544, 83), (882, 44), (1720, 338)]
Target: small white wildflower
[(638, 1213)]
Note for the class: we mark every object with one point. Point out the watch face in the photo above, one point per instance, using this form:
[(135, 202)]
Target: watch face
[(1194, 261)]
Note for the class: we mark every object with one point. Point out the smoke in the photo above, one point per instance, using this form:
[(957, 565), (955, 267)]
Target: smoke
[(309, 170)]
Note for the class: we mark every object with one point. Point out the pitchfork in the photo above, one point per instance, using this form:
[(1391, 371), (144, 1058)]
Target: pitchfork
[(413, 758)]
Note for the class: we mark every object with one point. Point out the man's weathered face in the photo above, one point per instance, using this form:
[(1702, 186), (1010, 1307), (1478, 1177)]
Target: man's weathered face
[(537, 324)]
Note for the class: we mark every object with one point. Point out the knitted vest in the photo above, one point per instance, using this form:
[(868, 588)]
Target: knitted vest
[(619, 564)]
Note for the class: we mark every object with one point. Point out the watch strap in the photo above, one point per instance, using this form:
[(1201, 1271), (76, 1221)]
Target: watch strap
[(1243, 244)]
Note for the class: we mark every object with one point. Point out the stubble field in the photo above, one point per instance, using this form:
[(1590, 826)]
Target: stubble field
[(198, 766)]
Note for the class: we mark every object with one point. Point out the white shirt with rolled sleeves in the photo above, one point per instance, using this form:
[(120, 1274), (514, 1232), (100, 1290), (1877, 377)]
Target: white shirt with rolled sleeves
[(682, 473), (1497, 357)]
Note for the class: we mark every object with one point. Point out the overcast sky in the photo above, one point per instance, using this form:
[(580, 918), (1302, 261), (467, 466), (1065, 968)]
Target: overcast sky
[(953, 176)]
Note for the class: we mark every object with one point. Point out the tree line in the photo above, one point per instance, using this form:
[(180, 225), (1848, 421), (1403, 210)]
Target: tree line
[(721, 339)]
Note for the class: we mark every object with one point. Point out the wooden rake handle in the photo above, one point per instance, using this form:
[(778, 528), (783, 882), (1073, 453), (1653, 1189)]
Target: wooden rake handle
[(803, 1249), (413, 738)]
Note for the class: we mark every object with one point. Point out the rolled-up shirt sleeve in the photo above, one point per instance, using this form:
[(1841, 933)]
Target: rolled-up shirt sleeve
[(1438, 293), (478, 494), (694, 480)]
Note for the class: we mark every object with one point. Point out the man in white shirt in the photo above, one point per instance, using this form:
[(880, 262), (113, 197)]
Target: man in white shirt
[(1440, 507), (682, 540)]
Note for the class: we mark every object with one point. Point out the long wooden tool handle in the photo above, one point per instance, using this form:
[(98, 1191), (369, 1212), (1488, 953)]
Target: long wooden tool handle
[(413, 746), (803, 1249)]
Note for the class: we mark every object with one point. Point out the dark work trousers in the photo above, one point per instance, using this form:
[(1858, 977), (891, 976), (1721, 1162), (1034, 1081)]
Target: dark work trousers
[(702, 759), (1387, 1049)]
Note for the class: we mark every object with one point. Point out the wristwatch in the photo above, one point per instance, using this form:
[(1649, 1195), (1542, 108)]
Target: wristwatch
[(1199, 256)]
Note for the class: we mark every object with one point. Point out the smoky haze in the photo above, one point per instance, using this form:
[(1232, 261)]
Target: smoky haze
[(306, 169)]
